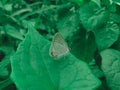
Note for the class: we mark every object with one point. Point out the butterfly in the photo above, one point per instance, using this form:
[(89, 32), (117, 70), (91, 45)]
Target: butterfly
[(58, 47)]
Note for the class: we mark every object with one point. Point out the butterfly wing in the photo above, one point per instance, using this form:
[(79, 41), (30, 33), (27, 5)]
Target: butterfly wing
[(59, 39), (58, 47)]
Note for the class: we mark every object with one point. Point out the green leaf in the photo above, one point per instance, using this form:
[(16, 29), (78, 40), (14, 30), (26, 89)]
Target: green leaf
[(13, 32), (5, 19), (116, 45), (107, 3), (93, 17), (68, 24), (85, 13), (5, 68), (78, 2), (98, 2), (117, 2), (96, 71), (105, 37), (34, 69), (81, 43), (5, 83), (111, 67), (8, 7), (115, 17)]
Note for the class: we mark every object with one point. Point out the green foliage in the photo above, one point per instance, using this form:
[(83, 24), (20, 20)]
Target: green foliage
[(91, 28), (82, 43), (110, 67), (106, 36), (36, 69)]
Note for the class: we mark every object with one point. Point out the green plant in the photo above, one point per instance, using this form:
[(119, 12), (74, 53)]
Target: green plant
[(90, 27)]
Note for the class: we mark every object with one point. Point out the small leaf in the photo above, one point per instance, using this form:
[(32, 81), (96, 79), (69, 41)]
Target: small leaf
[(116, 45), (115, 17), (105, 37), (111, 67), (97, 2), (93, 17), (5, 68), (4, 84), (78, 2), (13, 32), (117, 2)]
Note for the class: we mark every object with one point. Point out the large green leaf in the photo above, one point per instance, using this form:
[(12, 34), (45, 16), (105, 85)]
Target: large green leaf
[(111, 67), (34, 69)]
